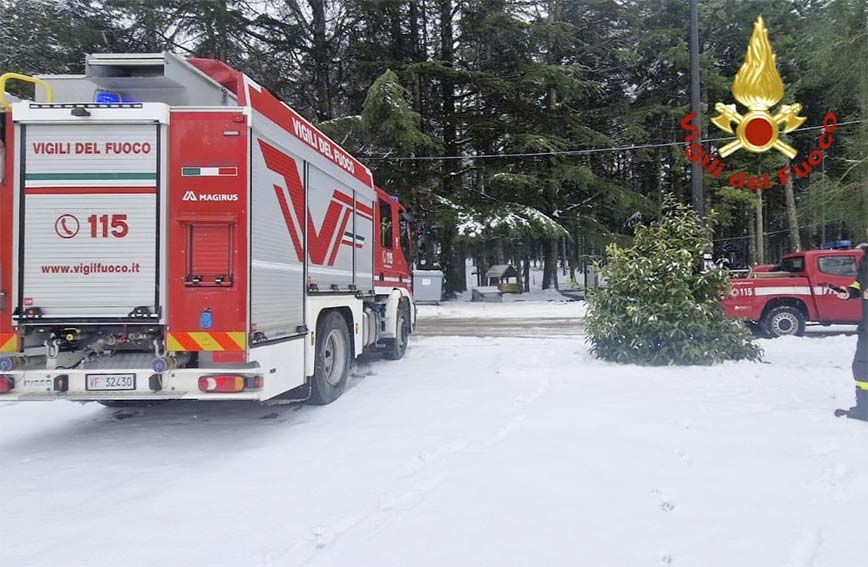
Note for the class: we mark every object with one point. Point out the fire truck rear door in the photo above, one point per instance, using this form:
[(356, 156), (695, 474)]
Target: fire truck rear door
[(89, 212)]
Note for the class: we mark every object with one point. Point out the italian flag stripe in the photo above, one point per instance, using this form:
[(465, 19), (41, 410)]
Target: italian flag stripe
[(209, 171), (352, 236)]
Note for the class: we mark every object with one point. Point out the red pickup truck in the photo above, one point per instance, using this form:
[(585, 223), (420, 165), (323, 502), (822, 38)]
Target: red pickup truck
[(781, 299)]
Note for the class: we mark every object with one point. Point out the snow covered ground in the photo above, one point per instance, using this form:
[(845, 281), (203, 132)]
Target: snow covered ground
[(471, 451), (534, 305)]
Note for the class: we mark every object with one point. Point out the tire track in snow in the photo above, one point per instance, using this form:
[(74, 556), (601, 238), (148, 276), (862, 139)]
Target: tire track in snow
[(416, 480)]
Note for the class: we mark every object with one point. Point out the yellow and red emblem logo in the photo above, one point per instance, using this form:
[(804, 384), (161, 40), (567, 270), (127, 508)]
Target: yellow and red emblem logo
[(758, 86)]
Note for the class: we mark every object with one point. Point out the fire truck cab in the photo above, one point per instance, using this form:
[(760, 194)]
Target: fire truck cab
[(169, 229)]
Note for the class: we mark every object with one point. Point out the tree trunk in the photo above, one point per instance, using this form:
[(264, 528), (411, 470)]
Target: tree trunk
[(751, 242), (550, 264), (481, 268), (498, 251), (461, 271), (551, 57), (415, 46), (792, 216), (321, 56), (414, 29), (526, 269), (760, 236), (447, 93), (823, 224), (396, 32), (573, 256), (453, 266)]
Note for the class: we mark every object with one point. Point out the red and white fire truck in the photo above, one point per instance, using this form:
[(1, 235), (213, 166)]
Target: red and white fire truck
[(169, 229), (781, 299)]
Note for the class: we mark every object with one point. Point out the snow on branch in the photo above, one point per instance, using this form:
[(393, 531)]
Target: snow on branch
[(510, 219)]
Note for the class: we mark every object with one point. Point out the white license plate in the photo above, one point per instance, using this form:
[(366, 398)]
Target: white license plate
[(110, 381)]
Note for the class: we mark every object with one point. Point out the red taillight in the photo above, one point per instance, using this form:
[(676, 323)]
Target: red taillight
[(7, 383), (229, 383), (221, 383)]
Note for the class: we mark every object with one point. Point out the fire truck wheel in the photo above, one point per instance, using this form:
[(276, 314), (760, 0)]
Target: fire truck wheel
[(784, 321), (397, 347), (332, 363)]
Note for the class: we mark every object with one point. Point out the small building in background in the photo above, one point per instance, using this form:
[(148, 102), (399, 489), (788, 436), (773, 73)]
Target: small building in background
[(505, 277)]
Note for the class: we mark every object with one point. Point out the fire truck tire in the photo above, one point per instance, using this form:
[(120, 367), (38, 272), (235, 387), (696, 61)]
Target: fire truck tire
[(784, 321), (397, 347), (332, 359)]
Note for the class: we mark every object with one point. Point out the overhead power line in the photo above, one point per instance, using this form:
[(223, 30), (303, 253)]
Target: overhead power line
[(575, 152), (770, 233)]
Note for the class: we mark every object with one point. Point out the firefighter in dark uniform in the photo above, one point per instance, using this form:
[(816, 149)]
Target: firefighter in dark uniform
[(859, 290)]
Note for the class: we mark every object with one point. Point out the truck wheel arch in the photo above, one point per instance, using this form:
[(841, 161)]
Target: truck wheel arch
[(788, 301), (397, 347), (331, 325), (396, 299)]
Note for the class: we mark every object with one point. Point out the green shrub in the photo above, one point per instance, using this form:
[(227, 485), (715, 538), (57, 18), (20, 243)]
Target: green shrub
[(660, 307)]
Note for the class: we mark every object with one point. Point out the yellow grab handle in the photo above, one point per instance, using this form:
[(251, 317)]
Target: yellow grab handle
[(49, 93)]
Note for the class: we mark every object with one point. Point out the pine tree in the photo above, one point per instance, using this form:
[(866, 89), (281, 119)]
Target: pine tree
[(389, 120)]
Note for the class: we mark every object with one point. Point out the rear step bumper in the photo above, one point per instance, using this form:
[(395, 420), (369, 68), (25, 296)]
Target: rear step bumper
[(179, 384)]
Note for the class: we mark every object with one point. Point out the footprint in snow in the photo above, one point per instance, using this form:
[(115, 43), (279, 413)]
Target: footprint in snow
[(665, 505), (684, 458)]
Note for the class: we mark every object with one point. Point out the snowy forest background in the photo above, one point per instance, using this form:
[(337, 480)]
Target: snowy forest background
[(471, 80)]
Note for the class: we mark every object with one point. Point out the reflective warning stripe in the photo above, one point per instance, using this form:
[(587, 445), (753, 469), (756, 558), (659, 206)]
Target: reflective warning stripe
[(8, 342), (860, 385), (206, 341), (783, 290)]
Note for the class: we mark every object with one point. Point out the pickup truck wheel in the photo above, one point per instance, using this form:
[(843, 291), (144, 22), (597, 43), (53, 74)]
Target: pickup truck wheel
[(784, 321), (333, 358)]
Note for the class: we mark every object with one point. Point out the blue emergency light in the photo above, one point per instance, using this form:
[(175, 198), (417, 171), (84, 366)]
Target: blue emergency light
[(107, 97), (111, 97), (837, 245)]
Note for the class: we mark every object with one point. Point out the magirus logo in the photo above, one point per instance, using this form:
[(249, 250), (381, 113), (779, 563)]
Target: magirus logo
[(193, 196), (758, 87)]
